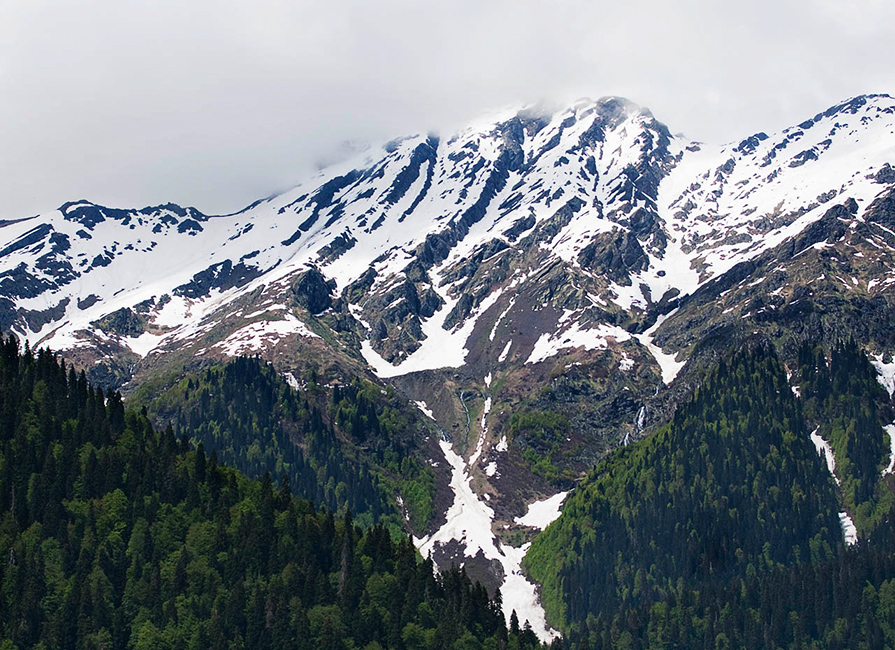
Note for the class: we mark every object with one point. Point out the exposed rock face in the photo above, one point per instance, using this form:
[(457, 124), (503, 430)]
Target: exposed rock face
[(616, 255), (124, 322), (312, 292)]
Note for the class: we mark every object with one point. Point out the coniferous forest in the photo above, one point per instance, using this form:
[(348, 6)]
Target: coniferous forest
[(345, 446), (115, 535)]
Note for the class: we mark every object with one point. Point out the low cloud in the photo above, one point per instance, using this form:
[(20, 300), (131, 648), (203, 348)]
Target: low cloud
[(215, 104)]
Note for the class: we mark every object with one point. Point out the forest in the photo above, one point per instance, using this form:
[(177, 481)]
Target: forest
[(340, 446), (260, 515), (116, 535)]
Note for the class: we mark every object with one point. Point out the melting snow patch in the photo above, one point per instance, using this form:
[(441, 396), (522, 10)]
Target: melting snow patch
[(174, 313), (668, 364), (890, 469), (422, 406), (291, 380), (502, 445), (824, 449), (848, 528), (506, 351), (590, 339), (143, 344), (491, 469), (543, 513), (886, 372), (440, 349), (501, 317)]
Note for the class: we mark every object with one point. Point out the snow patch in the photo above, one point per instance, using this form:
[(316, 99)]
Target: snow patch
[(886, 371), (848, 529), (143, 344), (890, 468), (823, 449), (439, 349), (668, 363), (506, 351), (256, 336), (422, 406), (543, 513)]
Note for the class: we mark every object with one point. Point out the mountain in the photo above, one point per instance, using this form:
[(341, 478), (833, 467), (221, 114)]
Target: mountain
[(540, 288)]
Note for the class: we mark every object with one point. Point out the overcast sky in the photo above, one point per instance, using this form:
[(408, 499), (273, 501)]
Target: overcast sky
[(217, 103)]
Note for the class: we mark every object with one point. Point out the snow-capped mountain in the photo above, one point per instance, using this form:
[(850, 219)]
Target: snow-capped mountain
[(573, 261), (601, 188)]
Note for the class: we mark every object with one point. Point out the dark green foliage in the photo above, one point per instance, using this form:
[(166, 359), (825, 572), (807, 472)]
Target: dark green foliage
[(847, 603), (843, 401), (731, 487), (350, 448), (115, 536)]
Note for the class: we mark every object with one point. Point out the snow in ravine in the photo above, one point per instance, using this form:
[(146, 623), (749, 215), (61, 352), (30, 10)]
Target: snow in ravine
[(890, 467), (849, 531), (422, 406), (824, 449), (885, 372), (668, 363), (469, 521)]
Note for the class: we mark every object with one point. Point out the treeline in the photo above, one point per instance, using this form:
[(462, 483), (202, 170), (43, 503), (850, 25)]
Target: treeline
[(113, 535), (344, 447), (732, 489)]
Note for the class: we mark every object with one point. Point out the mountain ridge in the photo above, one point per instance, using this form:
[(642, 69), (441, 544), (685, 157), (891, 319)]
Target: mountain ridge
[(543, 288)]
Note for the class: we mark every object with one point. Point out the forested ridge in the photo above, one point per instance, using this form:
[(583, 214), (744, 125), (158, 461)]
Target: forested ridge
[(114, 535), (341, 446), (721, 529)]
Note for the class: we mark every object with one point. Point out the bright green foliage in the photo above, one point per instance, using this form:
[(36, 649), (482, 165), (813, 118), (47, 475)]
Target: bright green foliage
[(731, 486), (115, 536), (843, 399), (540, 434), (350, 447)]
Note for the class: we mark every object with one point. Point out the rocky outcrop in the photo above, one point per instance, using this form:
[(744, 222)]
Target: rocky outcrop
[(312, 292)]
